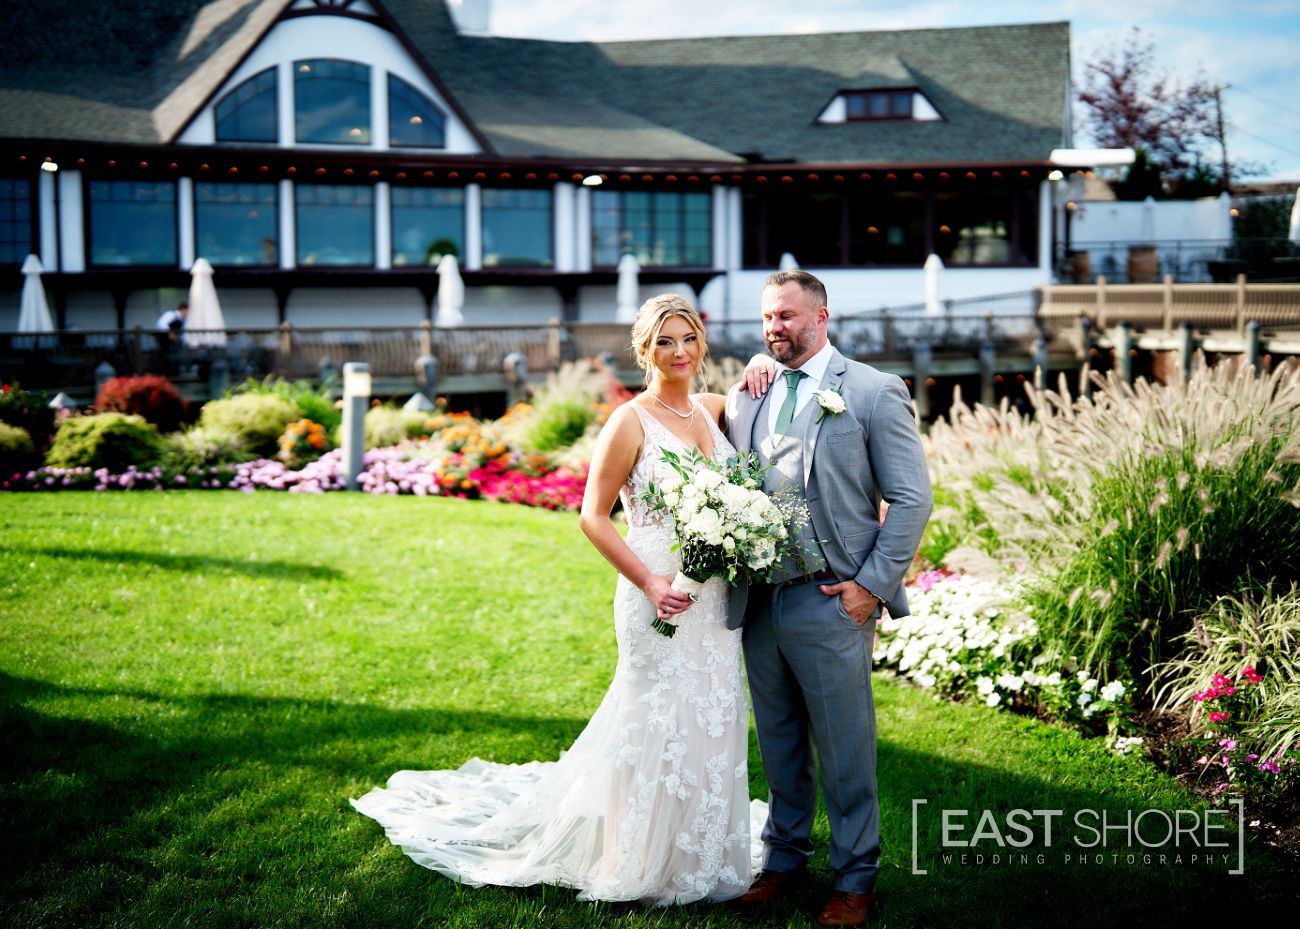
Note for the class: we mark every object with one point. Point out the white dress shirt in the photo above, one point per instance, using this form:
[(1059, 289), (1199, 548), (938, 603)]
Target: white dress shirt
[(815, 368)]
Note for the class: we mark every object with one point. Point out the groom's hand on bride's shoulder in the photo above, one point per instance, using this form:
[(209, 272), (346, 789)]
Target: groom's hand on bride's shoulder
[(858, 602)]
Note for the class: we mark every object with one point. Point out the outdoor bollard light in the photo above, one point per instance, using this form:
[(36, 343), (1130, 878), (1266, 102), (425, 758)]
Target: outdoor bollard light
[(426, 375), (356, 397), (1252, 344), (515, 369), (104, 372)]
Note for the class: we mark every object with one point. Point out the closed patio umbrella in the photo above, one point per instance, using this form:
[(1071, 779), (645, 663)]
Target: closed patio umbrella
[(451, 293), (205, 325), (34, 315), (1295, 218), (629, 288)]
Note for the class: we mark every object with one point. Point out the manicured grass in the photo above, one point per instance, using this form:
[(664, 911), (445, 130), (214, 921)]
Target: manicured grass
[(193, 684)]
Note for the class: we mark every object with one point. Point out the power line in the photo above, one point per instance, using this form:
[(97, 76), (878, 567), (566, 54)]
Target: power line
[(1251, 93), (1260, 138)]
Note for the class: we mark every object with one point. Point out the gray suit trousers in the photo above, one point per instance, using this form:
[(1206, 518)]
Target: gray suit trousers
[(809, 668)]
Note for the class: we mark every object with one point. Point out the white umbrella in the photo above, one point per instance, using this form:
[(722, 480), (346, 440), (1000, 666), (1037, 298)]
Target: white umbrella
[(1295, 218), (629, 288), (35, 313), (933, 267), (205, 325), (787, 263), (451, 293)]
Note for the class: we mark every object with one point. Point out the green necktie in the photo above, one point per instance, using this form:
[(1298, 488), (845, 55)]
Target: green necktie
[(792, 379)]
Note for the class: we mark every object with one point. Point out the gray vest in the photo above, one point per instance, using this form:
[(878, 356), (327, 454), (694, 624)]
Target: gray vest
[(786, 459)]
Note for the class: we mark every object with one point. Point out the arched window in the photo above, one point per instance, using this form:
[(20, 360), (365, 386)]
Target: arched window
[(248, 113), (331, 101), (413, 119)]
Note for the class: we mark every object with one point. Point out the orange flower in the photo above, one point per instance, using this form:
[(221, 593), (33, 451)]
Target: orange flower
[(316, 440)]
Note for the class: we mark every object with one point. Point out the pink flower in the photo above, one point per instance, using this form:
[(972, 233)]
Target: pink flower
[(1270, 766), (1218, 717), (1250, 674), (1229, 744)]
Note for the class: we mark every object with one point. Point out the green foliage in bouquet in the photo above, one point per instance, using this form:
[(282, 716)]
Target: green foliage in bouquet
[(255, 420), (106, 440)]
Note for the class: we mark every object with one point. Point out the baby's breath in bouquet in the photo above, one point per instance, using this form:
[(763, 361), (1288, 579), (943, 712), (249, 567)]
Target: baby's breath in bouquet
[(726, 526)]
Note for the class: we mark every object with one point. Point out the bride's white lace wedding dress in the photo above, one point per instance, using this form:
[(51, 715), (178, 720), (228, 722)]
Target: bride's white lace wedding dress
[(652, 800)]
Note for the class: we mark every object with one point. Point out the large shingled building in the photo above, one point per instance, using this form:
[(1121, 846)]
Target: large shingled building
[(323, 153)]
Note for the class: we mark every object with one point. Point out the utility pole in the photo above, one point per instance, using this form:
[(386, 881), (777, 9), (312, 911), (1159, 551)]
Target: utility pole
[(1223, 135)]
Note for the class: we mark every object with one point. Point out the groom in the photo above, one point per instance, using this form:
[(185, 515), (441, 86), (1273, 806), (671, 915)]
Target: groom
[(842, 435)]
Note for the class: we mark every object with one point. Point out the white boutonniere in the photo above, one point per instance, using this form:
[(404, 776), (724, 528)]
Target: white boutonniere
[(830, 401)]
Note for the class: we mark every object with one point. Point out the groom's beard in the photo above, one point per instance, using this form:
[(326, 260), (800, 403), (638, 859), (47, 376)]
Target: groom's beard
[(794, 347)]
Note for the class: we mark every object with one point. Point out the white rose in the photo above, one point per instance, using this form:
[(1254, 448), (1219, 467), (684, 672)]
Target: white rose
[(705, 522), (728, 543), (707, 479), (671, 483), (690, 490), (741, 534), (734, 497), (671, 499), (830, 401)]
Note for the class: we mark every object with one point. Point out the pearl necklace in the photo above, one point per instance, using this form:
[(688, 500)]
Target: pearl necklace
[(690, 415)]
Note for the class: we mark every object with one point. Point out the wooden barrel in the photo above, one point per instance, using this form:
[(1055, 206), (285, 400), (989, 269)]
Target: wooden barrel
[(1143, 266)]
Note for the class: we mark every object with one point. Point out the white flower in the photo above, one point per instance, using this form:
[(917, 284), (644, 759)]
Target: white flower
[(1085, 699), (1113, 691), (993, 699), (1090, 685), (707, 479), (671, 483), (830, 401), (671, 499), (984, 686), (728, 543), (705, 522), (1010, 682)]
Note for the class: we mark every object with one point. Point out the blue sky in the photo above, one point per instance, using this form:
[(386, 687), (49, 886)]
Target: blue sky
[(1253, 46)]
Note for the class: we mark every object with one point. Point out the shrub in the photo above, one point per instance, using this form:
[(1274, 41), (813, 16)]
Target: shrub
[(17, 453), (1137, 507), (390, 425), (313, 403), (147, 395), (201, 447), (28, 410), (114, 441), (256, 421), (565, 408), (1261, 633)]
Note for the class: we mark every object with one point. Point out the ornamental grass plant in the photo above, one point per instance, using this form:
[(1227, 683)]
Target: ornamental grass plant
[(1133, 509)]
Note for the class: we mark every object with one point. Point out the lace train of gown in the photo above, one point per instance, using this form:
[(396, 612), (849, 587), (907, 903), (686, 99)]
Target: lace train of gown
[(651, 802)]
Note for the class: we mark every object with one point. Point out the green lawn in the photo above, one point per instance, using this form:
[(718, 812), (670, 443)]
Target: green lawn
[(192, 684)]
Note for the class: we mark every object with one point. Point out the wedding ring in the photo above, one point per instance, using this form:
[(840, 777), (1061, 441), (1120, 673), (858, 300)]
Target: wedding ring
[(694, 598)]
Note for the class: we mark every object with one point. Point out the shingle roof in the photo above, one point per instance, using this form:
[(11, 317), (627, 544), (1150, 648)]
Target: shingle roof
[(136, 72)]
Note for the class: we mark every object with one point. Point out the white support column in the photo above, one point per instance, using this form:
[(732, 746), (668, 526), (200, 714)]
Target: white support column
[(582, 230), (49, 244), (288, 227), (185, 224), (735, 254), (721, 228), (1046, 229), (284, 103), (72, 232), (383, 227), (473, 227), (565, 227), (379, 109)]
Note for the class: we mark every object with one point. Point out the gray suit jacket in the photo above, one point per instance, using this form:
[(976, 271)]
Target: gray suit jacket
[(853, 460)]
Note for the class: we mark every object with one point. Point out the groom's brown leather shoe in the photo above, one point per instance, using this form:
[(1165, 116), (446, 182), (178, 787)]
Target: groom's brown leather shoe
[(846, 909), (768, 886)]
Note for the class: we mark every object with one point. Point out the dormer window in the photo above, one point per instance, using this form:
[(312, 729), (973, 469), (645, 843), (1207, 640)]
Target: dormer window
[(878, 104), (893, 104), (248, 113), (331, 101)]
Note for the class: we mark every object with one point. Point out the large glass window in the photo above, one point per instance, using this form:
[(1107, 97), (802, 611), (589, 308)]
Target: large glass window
[(336, 225), (331, 101), (15, 219), (413, 119), (248, 113), (237, 224), (887, 229), (975, 229), (132, 223), (658, 227), (516, 228), (428, 222)]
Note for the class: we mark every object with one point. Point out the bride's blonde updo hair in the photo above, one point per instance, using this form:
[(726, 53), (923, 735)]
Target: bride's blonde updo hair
[(650, 320)]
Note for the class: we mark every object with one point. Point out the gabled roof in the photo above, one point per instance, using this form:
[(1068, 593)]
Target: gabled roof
[(137, 71)]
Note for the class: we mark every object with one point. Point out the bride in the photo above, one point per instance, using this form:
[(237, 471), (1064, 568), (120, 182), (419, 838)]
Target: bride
[(652, 801)]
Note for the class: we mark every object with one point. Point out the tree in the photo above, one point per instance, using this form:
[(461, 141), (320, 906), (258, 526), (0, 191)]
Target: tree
[(1127, 104)]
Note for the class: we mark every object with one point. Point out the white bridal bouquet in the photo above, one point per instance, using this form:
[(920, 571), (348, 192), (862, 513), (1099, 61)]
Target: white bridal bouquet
[(726, 526)]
